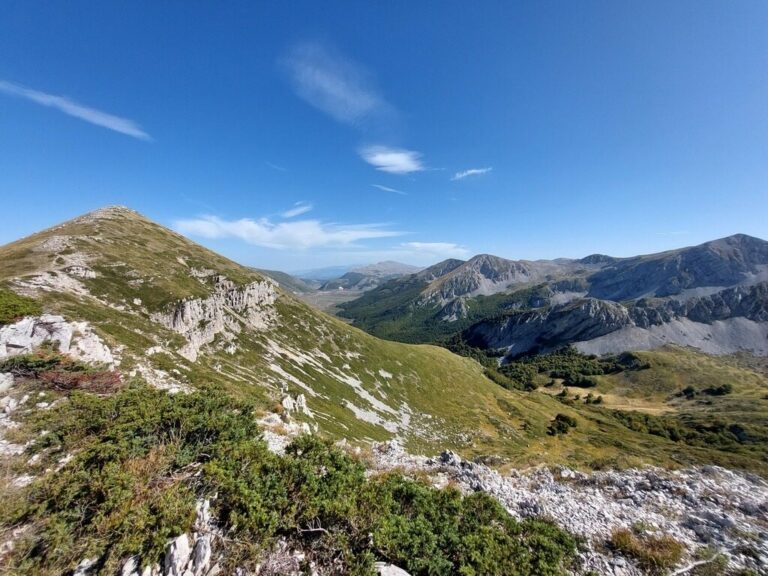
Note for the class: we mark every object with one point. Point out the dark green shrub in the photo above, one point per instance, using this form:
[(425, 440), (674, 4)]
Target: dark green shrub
[(13, 306), (722, 390), (143, 457), (31, 365), (57, 372), (561, 425), (523, 374)]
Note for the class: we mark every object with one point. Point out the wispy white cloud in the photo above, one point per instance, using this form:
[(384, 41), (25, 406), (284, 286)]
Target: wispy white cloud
[(392, 160), (334, 84), (298, 209), (437, 249), (471, 172), (388, 189), (72, 108), (418, 253), (296, 234), (276, 167)]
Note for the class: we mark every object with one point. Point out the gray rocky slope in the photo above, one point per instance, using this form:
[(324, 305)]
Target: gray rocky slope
[(728, 321)]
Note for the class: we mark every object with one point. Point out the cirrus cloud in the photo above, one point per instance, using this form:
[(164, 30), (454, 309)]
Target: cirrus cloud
[(334, 84), (388, 189), (471, 172), (297, 210), (76, 110)]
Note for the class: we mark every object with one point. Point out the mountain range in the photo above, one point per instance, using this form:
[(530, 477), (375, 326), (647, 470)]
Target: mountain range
[(163, 404), (120, 289), (369, 277), (713, 296)]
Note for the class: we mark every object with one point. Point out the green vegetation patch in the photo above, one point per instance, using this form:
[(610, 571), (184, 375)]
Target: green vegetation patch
[(573, 367), (141, 458), (14, 307), (561, 424)]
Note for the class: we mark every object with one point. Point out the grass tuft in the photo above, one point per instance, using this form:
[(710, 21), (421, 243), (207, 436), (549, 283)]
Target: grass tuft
[(656, 554)]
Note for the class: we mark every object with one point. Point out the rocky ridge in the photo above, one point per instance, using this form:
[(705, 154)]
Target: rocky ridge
[(76, 339), (584, 320)]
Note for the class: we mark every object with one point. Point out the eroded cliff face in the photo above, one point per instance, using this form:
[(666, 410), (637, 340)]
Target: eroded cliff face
[(725, 322), (548, 328), (225, 313)]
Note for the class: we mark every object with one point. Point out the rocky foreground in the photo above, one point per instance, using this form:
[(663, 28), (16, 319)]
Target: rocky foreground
[(710, 509), (710, 506), (722, 512)]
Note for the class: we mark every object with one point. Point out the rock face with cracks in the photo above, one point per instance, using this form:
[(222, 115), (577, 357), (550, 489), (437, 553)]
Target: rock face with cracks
[(224, 313)]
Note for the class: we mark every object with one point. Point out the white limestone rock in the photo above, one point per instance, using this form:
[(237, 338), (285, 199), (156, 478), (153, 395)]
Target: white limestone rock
[(74, 338), (177, 556), (201, 558), (81, 272), (131, 567), (384, 569), (85, 567), (6, 382)]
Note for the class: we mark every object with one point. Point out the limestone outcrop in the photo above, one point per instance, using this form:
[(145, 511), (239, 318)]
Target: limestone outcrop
[(76, 339), (224, 313)]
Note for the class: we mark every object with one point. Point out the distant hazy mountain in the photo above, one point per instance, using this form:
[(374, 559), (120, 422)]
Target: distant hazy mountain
[(713, 296), (322, 274), (291, 283), (369, 277)]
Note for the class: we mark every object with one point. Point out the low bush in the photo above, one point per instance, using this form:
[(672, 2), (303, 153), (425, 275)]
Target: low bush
[(721, 390), (561, 425), (592, 399), (142, 458), (54, 371), (14, 307), (689, 392)]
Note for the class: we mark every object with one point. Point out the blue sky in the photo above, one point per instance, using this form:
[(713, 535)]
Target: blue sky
[(295, 135)]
